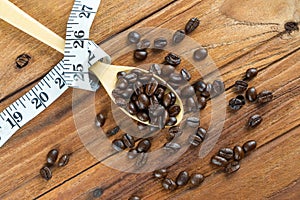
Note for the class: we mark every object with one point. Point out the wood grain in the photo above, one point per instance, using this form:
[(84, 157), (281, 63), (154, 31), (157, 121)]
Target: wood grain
[(236, 38)]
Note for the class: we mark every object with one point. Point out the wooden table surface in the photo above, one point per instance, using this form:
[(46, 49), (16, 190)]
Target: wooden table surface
[(237, 34)]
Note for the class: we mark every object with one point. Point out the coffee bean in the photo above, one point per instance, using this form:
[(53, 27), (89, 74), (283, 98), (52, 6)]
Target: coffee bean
[(185, 74), (196, 179), (191, 105), (121, 74), (143, 44), (172, 59), (238, 153), (169, 184), (291, 26), (131, 77), (146, 78), (132, 154), (52, 157), (264, 97), (241, 86), (120, 102), (198, 137), (242, 98), (160, 173), (167, 100), (64, 160), (159, 93), (131, 108), (218, 87), (46, 173), (143, 146), (143, 102), (138, 72), (249, 146), (174, 110), (201, 102), (97, 192), (118, 145), (167, 70), (232, 167), (178, 36), (126, 94), (251, 73), (151, 88), (113, 131), (134, 37), (172, 121), (172, 147), (200, 54), (141, 160), (173, 98), (22, 60), (175, 78), (155, 69), (200, 86), (193, 121), (122, 83), (219, 161), (226, 153), (191, 25), (140, 54), (182, 178), (236, 104), (134, 198), (188, 91), (100, 120), (174, 132), (160, 43), (143, 116), (254, 121), (251, 94), (128, 140)]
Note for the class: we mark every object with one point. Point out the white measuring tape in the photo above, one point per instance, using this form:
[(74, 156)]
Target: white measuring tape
[(80, 54)]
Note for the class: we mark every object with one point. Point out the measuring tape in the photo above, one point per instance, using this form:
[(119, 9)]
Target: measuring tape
[(80, 54)]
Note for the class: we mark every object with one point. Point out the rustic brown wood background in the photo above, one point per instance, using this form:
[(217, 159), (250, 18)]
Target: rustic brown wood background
[(238, 34)]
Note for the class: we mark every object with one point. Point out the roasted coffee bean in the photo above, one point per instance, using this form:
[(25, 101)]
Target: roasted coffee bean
[(22, 60), (185, 74), (242, 98), (141, 160), (151, 88), (172, 147), (191, 25), (138, 72), (64, 160), (218, 87), (200, 54), (236, 104), (97, 192), (113, 131), (126, 94), (169, 184), (143, 44), (291, 26), (173, 98), (249, 146), (138, 88), (118, 145), (120, 102), (251, 73), (200, 86), (167, 100), (182, 178), (264, 97), (201, 132), (46, 173), (178, 36), (131, 77), (52, 157), (122, 83), (159, 93), (251, 94), (128, 140), (131, 108), (254, 121), (192, 121), (201, 102), (146, 78), (174, 110), (241, 86), (121, 74), (160, 43), (208, 90), (172, 59), (232, 167), (132, 154), (196, 179), (143, 146), (191, 105), (155, 69), (167, 70), (100, 120), (134, 198), (143, 102), (175, 78), (219, 161), (188, 91), (226, 153), (140, 54), (143, 116), (133, 37), (160, 173), (198, 138), (172, 121), (174, 132), (238, 153)]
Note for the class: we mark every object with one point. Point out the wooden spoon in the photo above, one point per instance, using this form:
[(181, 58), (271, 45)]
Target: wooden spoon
[(107, 74)]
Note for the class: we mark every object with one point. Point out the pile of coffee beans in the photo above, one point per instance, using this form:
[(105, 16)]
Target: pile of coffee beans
[(146, 97), (230, 159), (51, 158), (182, 179)]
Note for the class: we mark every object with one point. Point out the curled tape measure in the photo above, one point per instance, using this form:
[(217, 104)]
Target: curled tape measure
[(80, 53)]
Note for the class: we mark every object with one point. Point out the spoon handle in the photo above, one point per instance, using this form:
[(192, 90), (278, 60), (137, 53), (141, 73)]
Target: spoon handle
[(21, 20)]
